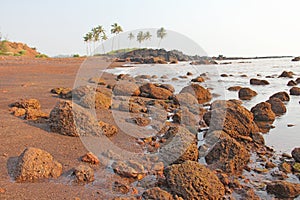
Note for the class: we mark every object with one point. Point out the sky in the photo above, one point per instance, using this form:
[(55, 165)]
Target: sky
[(227, 27)]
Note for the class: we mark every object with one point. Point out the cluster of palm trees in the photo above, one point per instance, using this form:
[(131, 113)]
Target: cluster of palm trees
[(98, 34), (141, 36)]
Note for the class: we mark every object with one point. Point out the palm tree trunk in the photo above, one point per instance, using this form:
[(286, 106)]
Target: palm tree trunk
[(112, 46), (159, 43), (103, 48)]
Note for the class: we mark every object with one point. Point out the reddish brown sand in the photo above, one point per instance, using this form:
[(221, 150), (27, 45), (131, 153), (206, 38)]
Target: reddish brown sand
[(34, 78)]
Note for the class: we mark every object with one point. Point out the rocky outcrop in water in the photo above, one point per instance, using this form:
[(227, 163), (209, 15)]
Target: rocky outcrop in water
[(161, 56), (246, 94)]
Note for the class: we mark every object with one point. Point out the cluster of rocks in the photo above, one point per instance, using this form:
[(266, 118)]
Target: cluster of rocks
[(231, 136), (161, 56), (28, 109)]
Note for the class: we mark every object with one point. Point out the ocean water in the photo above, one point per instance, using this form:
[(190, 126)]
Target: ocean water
[(282, 138)]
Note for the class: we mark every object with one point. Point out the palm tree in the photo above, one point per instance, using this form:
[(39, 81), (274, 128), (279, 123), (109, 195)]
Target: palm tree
[(96, 36), (90, 39), (161, 33), (140, 37), (116, 29), (147, 36), (103, 38), (86, 40), (130, 37)]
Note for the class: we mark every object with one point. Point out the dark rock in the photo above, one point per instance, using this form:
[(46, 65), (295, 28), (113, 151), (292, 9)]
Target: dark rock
[(70, 119), (108, 129), (126, 88), (191, 180), (283, 96), (198, 79), (286, 74), (180, 146), (227, 154), (129, 169), (277, 106), (232, 118), (295, 91), (121, 187), (84, 174), (88, 97), (157, 193), (27, 103), (202, 95), (184, 117), (90, 158), (246, 93), (34, 164), (35, 114), (283, 189), (234, 88), (292, 83), (296, 154), (255, 81), (97, 80), (167, 87), (298, 80), (224, 75), (263, 112), (296, 59), (59, 90), (189, 73), (152, 91)]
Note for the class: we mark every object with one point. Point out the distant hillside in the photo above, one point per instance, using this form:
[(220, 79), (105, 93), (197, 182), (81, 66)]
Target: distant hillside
[(8, 48)]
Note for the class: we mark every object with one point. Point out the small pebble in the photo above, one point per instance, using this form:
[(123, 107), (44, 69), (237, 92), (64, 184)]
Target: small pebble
[(2, 190), (290, 125)]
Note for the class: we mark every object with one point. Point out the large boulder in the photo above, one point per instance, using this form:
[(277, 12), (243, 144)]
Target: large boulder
[(296, 59), (180, 146), (126, 88), (296, 154), (286, 74), (226, 154), (283, 96), (284, 189), (202, 95), (34, 164), (292, 83), (263, 112), (255, 81), (246, 93), (152, 91), (157, 193), (70, 119), (232, 118), (277, 106), (88, 97), (191, 180), (295, 91)]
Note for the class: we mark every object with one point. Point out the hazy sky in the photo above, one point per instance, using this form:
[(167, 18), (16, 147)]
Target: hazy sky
[(229, 27)]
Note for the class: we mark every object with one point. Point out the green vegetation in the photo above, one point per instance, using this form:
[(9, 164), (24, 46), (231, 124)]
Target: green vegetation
[(41, 56), (121, 51), (116, 29), (76, 56), (161, 33), (3, 47), (95, 35), (98, 34)]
